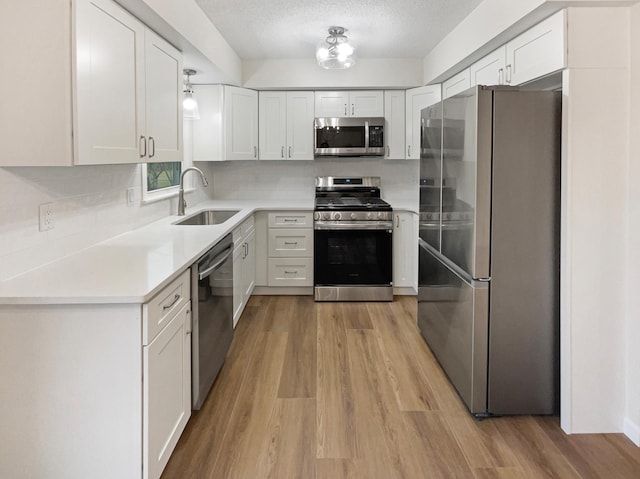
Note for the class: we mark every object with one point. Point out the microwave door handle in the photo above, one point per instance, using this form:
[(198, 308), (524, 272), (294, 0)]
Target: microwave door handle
[(366, 136)]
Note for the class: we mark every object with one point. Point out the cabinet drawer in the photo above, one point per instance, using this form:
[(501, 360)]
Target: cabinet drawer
[(290, 271), (291, 219), (287, 243), (157, 313)]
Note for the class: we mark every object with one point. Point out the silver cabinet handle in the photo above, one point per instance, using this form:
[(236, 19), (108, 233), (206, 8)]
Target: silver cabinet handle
[(409, 151), (289, 152), (345, 109), (500, 76), (282, 152), (353, 109), (290, 220), (189, 325), (291, 243), (255, 152), (397, 221), (152, 147), (142, 143), (176, 298), (509, 74), (290, 272), (388, 151)]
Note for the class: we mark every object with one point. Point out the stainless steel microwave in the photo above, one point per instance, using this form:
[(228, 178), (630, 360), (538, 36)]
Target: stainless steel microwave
[(349, 136)]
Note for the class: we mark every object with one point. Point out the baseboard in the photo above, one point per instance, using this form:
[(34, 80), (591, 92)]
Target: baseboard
[(632, 431), (404, 291), (283, 290)]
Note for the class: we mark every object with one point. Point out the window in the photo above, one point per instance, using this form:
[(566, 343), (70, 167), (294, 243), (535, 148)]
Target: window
[(160, 180)]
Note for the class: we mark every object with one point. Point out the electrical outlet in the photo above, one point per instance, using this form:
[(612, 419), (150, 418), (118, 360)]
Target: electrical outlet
[(47, 217), (131, 196)]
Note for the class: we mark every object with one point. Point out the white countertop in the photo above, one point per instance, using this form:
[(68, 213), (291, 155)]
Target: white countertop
[(134, 266)]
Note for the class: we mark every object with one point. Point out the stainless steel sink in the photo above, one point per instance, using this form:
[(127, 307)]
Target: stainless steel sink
[(207, 217)]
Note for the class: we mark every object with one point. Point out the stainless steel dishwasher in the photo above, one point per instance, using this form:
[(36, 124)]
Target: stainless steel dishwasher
[(212, 302)]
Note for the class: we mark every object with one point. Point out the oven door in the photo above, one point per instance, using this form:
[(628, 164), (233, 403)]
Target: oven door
[(353, 264)]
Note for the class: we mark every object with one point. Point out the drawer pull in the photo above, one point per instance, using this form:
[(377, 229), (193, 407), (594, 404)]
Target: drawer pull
[(176, 298), (291, 220), (290, 243), (290, 272)]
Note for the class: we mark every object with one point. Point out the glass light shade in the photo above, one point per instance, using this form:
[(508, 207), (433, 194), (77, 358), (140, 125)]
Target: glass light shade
[(336, 51), (190, 106)]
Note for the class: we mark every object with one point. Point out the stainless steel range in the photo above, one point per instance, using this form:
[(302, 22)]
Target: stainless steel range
[(353, 230)]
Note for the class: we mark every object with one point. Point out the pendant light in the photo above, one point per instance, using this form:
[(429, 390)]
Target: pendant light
[(189, 103), (336, 51)]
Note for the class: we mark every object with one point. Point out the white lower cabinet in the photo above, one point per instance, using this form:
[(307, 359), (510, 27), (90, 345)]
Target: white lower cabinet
[(405, 249), (290, 248), (244, 266), (167, 391)]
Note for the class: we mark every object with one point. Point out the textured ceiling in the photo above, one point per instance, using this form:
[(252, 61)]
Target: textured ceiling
[(269, 29)]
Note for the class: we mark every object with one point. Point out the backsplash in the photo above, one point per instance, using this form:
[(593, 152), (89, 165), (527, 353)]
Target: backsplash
[(295, 179), (90, 202)]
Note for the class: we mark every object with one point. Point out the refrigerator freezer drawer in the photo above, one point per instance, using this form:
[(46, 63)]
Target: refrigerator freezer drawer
[(453, 319)]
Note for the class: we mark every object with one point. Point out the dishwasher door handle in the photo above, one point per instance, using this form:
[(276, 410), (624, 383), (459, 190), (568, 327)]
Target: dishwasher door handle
[(216, 265)]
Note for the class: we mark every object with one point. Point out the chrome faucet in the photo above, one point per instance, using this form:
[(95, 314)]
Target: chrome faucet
[(182, 204)]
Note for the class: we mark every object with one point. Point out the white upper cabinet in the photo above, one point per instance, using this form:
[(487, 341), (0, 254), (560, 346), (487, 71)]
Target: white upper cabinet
[(163, 82), (286, 125), (456, 84), (416, 100), (394, 133), (228, 125), (105, 90), (241, 123), (535, 53), (356, 103), (490, 69)]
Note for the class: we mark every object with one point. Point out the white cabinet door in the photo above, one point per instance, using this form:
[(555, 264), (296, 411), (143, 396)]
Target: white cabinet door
[(361, 103), (249, 266), (208, 131), (405, 250), (416, 100), (272, 113), (241, 123), (109, 124), (490, 69), (238, 283), (167, 392), (332, 103), (163, 66), (457, 83), (394, 135), (300, 115), (537, 52), (366, 103)]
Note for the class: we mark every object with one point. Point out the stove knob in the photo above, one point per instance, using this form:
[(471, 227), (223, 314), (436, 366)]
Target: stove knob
[(428, 216), (337, 216), (353, 216), (326, 216), (369, 216), (380, 215)]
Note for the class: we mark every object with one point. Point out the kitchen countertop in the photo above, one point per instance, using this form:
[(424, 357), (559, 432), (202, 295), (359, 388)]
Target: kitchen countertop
[(134, 266)]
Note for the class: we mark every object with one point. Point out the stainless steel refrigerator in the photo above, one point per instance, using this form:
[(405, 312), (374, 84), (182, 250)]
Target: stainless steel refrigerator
[(488, 297)]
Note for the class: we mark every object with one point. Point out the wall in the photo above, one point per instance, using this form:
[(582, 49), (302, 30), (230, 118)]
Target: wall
[(594, 221), (306, 74), (90, 204), (294, 180), (632, 422)]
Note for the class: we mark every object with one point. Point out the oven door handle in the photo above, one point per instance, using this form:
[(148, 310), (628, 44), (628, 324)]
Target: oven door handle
[(359, 225)]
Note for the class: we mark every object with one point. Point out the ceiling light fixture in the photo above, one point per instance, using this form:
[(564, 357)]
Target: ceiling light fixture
[(336, 51), (189, 103)]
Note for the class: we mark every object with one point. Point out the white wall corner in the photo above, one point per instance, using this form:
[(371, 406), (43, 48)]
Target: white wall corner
[(632, 431)]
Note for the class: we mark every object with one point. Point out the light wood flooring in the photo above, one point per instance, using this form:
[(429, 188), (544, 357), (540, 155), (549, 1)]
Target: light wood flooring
[(350, 390)]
